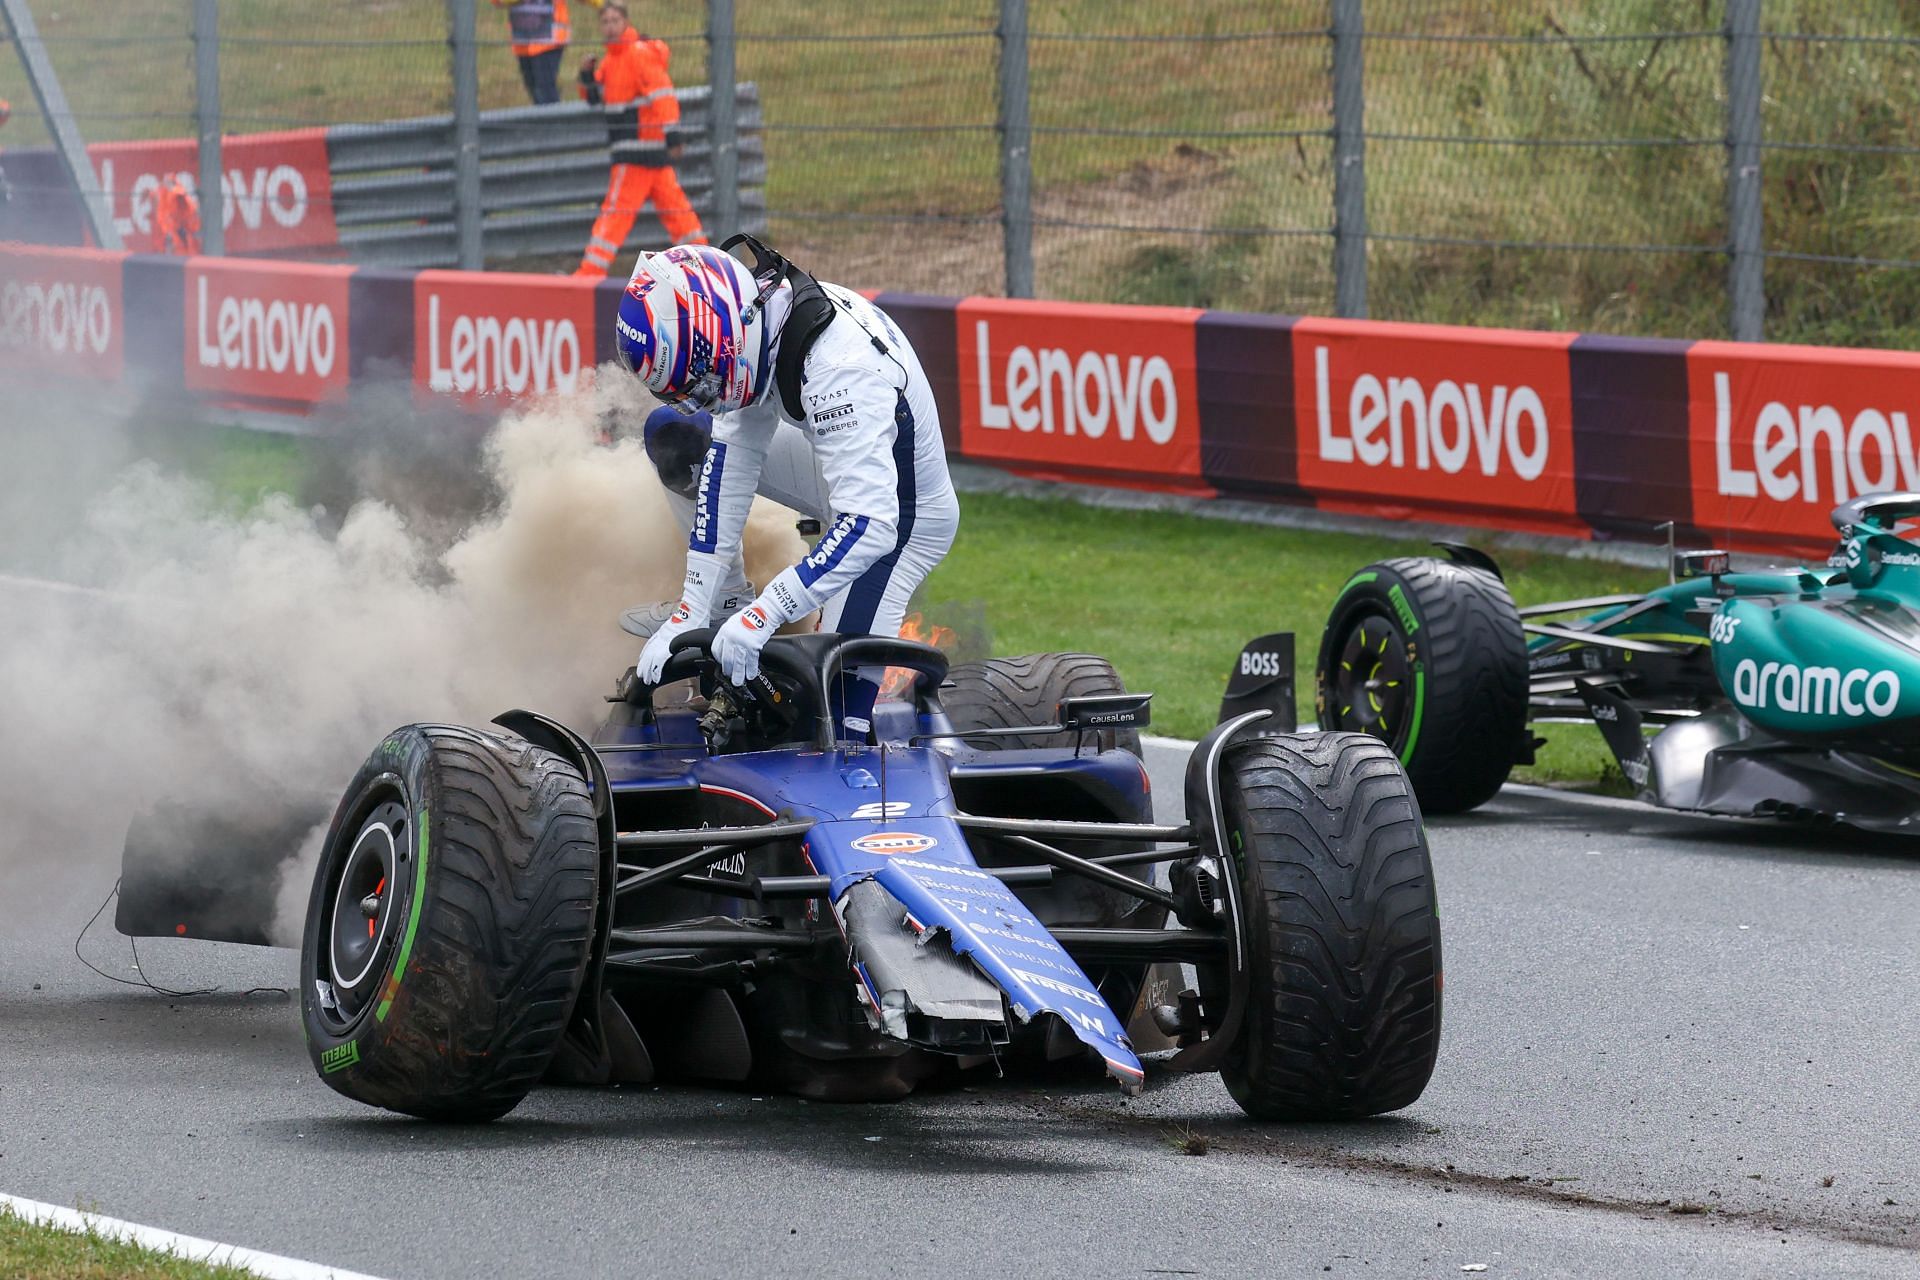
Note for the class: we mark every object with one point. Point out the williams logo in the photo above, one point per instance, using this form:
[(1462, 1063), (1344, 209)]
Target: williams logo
[(895, 843), (1815, 691)]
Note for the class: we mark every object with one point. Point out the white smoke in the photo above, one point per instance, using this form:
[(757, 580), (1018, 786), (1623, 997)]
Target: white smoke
[(253, 660)]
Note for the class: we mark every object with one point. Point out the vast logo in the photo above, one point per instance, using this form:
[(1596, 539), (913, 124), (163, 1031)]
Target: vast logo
[(1815, 691), (1097, 387)]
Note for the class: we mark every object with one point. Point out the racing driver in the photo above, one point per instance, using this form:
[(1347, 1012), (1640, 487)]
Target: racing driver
[(768, 350)]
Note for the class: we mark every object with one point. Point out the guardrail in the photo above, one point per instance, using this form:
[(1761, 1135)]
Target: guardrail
[(383, 194), (543, 173), (1740, 444)]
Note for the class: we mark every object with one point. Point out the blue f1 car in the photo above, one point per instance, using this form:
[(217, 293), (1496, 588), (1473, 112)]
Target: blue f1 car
[(721, 887)]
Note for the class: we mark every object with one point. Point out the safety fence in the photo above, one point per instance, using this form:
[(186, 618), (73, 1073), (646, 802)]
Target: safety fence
[(383, 194), (1714, 167), (1583, 435)]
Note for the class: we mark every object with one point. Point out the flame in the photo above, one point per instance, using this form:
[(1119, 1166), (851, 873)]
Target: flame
[(899, 679)]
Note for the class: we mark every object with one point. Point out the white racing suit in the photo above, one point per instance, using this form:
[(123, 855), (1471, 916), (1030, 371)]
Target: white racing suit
[(870, 418)]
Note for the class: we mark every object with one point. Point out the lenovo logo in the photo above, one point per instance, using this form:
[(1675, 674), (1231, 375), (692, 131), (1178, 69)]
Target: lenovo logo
[(1450, 427), (1086, 393), (56, 317), (270, 193), (265, 335), (1787, 450), (482, 353)]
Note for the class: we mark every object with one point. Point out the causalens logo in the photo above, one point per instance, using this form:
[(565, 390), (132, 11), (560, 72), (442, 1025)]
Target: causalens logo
[(275, 331), (1815, 691), (1098, 388), (1422, 415), (508, 336)]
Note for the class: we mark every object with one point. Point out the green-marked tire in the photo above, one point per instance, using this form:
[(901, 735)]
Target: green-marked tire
[(471, 858), (1429, 656)]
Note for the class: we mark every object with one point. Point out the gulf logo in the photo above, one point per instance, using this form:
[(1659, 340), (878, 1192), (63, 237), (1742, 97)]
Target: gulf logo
[(895, 843)]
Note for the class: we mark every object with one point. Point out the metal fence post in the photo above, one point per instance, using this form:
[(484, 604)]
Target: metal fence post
[(206, 120), (1746, 261), (466, 132), (1016, 150), (723, 121), (95, 203), (1349, 162)]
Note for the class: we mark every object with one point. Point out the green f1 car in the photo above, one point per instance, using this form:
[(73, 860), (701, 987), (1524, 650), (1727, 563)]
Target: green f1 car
[(1790, 693)]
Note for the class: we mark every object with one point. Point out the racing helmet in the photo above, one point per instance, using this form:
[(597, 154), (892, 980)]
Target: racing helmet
[(692, 326)]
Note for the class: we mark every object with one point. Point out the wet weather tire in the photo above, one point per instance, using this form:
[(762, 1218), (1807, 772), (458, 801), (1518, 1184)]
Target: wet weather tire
[(471, 858), (1429, 656), (1343, 930), (1006, 693)]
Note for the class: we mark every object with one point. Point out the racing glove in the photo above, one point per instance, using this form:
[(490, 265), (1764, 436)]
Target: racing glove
[(653, 658), (737, 644)]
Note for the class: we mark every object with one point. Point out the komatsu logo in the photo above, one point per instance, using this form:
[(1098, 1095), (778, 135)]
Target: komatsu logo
[(1815, 691)]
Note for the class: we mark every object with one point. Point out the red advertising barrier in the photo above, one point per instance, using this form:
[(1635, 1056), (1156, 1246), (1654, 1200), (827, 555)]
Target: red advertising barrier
[(61, 312), (276, 192), (1436, 421), (1749, 446), (1111, 395), (478, 335), (1779, 436), (266, 331)]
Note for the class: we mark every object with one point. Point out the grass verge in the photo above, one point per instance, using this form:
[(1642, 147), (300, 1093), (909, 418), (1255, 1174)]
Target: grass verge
[(36, 1252)]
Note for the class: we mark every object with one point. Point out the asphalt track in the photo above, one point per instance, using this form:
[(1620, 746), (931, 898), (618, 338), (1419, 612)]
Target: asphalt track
[(1673, 1046)]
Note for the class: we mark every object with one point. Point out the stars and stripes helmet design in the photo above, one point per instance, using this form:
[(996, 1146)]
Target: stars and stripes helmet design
[(690, 328)]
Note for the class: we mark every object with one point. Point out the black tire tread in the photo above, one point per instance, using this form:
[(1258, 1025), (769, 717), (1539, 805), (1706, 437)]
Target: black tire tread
[(1008, 693), (504, 936), (1344, 935), (1475, 656)]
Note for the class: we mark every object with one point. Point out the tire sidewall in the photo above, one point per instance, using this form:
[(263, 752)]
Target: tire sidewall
[(399, 766), (1362, 597)]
